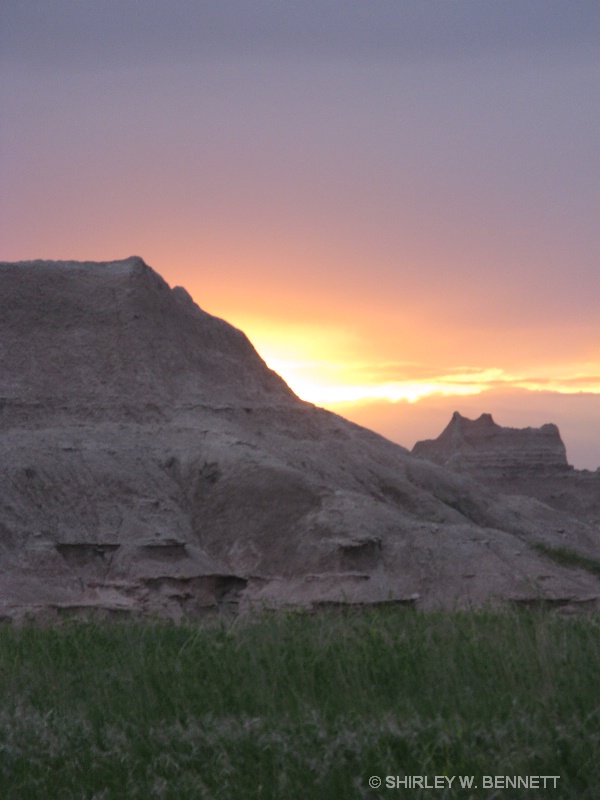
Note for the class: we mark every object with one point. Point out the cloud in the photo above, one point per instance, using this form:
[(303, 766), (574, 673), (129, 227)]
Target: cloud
[(338, 382)]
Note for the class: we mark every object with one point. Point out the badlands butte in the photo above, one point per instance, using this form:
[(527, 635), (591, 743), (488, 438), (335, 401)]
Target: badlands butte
[(153, 464)]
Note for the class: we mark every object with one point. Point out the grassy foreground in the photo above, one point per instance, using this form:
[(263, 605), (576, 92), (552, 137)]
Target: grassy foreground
[(296, 706)]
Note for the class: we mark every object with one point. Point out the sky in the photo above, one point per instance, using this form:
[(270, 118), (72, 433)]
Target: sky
[(397, 200)]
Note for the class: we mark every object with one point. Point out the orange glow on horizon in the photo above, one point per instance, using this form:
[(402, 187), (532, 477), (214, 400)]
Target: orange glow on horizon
[(321, 364), (327, 393)]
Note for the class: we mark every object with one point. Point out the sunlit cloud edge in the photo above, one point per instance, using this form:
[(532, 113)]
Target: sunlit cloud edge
[(322, 390)]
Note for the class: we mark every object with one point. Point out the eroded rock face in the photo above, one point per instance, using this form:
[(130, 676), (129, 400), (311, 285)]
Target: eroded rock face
[(112, 340), (152, 463), (481, 446), (528, 461)]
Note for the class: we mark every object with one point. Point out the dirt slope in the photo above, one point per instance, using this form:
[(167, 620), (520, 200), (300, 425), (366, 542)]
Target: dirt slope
[(152, 463)]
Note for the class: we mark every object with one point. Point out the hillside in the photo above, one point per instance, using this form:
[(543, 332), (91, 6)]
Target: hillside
[(152, 463)]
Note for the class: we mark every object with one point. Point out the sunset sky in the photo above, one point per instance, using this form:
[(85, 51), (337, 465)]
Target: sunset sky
[(397, 200)]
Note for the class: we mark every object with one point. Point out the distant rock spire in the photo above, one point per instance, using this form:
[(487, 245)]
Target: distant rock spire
[(481, 446)]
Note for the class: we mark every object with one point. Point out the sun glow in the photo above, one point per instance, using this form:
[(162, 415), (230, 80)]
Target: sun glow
[(342, 382), (324, 392), (331, 366)]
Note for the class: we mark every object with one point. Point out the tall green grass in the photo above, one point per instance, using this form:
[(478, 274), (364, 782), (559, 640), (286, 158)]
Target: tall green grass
[(297, 706)]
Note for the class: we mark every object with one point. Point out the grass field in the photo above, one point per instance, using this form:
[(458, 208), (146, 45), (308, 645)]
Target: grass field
[(296, 706)]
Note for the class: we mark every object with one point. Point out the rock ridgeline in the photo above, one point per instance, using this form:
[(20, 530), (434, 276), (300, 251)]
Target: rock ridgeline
[(527, 461), (113, 339), (151, 463), (483, 448)]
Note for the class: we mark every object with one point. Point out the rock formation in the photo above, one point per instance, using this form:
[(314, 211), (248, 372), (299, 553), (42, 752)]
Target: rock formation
[(152, 463), (528, 461), (484, 448)]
